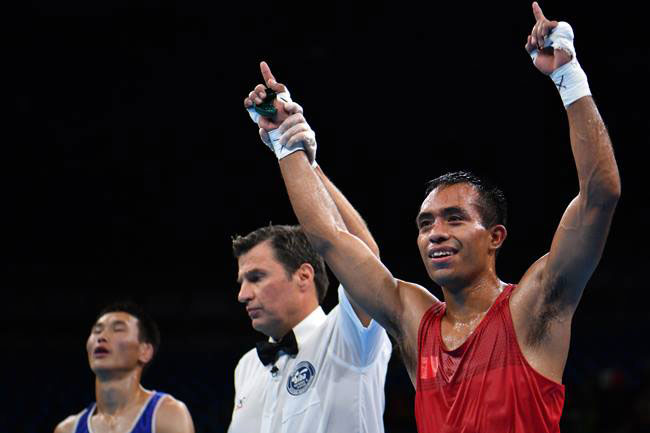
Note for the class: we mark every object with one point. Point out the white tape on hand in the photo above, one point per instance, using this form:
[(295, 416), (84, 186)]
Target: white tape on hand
[(280, 149), (570, 79), (255, 116), (272, 138), (284, 96)]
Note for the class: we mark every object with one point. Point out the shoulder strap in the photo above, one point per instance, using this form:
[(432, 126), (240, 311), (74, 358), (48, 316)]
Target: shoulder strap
[(145, 423), (82, 421)]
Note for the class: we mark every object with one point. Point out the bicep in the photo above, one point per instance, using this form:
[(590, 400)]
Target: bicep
[(576, 249), (553, 285), (367, 281), (370, 284)]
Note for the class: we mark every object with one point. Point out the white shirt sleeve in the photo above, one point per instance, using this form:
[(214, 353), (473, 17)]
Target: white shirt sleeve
[(361, 344)]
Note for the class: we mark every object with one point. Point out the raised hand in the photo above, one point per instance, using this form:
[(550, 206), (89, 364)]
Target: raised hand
[(546, 59), (257, 95), (295, 132)]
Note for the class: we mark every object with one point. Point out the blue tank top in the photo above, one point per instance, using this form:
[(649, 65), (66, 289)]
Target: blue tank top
[(143, 424)]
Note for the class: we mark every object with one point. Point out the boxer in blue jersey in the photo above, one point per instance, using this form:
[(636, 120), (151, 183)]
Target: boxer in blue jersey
[(122, 342)]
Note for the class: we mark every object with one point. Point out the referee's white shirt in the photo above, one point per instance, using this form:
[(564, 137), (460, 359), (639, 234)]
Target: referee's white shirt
[(335, 383)]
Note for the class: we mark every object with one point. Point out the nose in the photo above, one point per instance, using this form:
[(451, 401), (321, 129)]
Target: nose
[(438, 233), (101, 336), (96, 338), (245, 293)]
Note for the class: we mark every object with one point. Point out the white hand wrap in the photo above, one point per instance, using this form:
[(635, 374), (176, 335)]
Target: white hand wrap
[(275, 134), (255, 116), (570, 79), (279, 149)]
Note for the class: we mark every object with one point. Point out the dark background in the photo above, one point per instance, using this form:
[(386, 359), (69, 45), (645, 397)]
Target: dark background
[(128, 163)]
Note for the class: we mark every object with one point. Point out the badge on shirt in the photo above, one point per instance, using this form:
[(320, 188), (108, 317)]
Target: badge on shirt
[(301, 378)]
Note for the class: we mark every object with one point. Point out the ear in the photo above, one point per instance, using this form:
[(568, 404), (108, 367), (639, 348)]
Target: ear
[(304, 276), (498, 234), (145, 353)]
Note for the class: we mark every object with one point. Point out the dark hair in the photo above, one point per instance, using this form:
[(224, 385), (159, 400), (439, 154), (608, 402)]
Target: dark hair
[(148, 331), (290, 247), (492, 205)]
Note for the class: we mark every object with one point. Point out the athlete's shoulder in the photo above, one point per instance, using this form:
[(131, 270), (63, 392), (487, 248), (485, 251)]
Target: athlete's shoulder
[(172, 415), (68, 424)]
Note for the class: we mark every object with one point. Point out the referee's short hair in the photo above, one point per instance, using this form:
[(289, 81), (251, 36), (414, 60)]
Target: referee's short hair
[(290, 247)]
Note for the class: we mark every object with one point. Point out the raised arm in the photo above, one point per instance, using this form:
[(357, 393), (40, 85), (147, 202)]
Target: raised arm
[(355, 224), (324, 215), (368, 282), (351, 218), (550, 291)]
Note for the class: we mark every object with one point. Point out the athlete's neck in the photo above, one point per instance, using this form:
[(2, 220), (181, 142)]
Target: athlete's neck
[(117, 392), (476, 298)]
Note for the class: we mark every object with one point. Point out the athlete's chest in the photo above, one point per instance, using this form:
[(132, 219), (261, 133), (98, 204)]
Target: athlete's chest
[(125, 423), (453, 334)]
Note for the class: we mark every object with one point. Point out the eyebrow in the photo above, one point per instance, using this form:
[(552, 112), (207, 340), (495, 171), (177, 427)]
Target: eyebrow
[(248, 273), (115, 322), (119, 322), (444, 212)]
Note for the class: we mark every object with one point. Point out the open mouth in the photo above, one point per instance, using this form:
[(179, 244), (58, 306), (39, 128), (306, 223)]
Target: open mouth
[(101, 351), (441, 254)]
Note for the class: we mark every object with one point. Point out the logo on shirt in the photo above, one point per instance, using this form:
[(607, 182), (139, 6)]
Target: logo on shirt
[(300, 378)]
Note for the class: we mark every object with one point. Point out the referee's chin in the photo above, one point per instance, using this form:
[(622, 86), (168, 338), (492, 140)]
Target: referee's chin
[(259, 325), (269, 328)]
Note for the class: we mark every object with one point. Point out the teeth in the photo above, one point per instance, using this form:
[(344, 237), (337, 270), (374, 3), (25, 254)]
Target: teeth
[(441, 253)]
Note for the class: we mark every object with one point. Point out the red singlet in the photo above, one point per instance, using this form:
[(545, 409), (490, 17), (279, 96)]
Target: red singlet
[(484, 386)]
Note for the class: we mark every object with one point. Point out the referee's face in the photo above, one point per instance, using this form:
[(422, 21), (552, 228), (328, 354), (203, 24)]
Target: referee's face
[(273, 299)]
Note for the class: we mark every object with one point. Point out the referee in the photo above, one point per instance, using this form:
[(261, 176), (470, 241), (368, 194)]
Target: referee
[(317, 372)]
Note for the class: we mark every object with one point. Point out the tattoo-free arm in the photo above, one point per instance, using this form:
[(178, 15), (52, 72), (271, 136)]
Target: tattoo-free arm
[(354, 224)]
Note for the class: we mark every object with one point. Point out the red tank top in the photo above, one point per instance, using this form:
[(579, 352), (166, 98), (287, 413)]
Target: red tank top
[(484, 386)]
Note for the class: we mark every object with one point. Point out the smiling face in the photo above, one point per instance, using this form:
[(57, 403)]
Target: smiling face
[(114, 344), (454, 245), (275, 301)]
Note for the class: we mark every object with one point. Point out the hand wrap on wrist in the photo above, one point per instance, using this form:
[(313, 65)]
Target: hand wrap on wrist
[(570, 79)]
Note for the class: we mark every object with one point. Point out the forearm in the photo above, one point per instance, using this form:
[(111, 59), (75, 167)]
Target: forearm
[(594, 157), (355, 225), (311, 202), (351, 218), (349, 255)]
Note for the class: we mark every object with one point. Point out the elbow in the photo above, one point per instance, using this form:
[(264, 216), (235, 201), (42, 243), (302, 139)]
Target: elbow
[(321, 234), (610, 193), (322, 242), (605, 194)]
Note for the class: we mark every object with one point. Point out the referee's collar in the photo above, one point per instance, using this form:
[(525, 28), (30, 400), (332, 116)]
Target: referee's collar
[(308, 325)]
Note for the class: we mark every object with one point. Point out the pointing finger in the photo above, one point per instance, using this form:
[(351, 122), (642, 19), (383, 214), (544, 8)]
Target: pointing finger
[(537, 11), (266, 73)]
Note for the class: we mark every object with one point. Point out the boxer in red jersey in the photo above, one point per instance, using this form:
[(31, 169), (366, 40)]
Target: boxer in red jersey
[(491, 357)]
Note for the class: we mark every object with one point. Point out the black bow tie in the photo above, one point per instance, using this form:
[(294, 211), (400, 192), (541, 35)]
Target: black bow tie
[(268, 352)]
